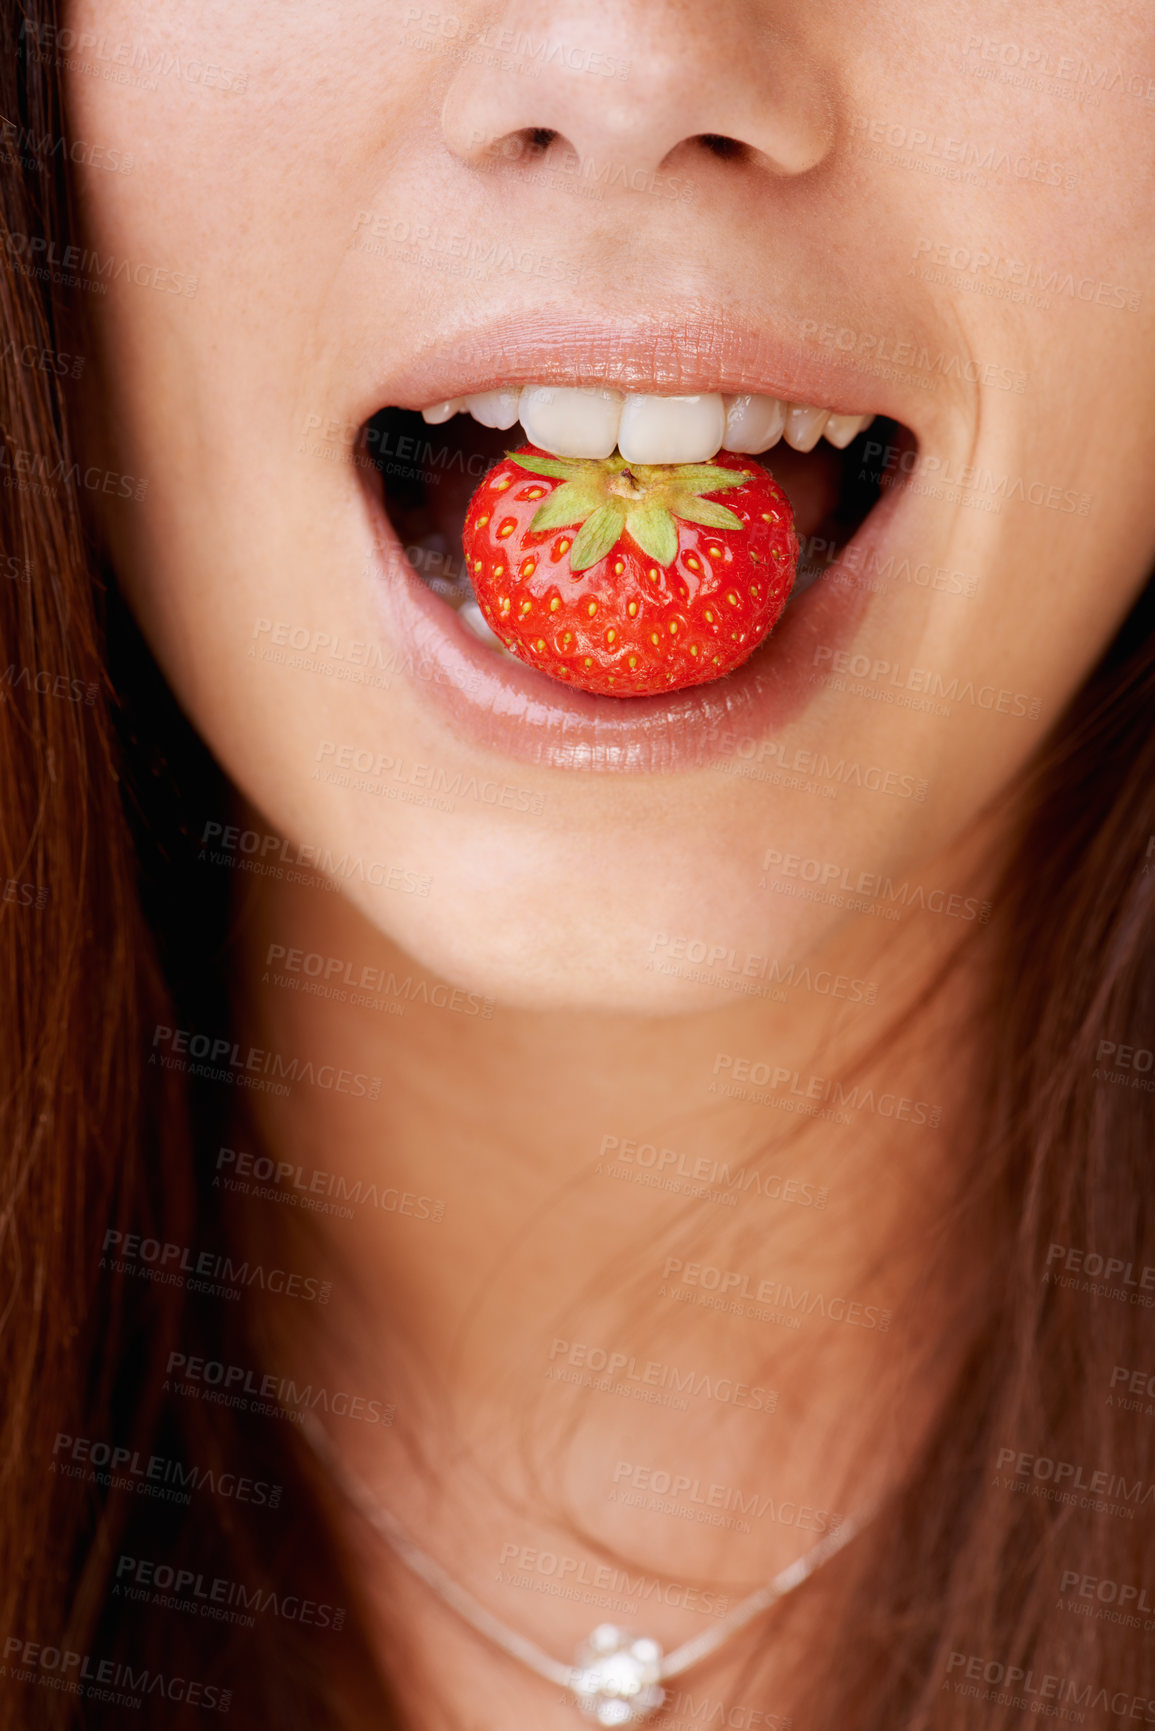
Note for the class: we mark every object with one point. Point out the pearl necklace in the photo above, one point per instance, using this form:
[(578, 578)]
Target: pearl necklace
[(616, 1678)]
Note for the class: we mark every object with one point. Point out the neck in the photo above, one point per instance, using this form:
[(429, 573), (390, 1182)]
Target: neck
[(674, 1279)]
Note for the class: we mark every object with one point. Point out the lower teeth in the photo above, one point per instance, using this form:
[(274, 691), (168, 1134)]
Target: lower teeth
[(449, 581), (474, 620)]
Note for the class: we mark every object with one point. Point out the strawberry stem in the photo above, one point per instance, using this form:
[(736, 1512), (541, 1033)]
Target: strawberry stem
[(603, 496)]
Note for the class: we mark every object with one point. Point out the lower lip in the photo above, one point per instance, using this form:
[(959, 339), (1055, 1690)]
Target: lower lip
[(498, 705)]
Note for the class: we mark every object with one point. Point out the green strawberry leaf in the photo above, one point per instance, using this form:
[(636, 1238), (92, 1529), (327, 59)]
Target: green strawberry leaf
[(558, 468), (695, 510), (572, 502), (655, 532), (597, 535), (705, 478)]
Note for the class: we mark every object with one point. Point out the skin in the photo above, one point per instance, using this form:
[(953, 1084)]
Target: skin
[(556, 916)]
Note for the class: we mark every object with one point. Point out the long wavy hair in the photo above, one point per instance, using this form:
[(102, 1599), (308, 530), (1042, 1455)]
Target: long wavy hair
[(106, 929)]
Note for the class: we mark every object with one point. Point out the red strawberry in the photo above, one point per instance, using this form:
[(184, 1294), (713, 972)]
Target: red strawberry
[(629, 579)]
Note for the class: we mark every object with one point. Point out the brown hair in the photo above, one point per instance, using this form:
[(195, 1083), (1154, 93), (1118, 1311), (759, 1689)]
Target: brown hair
[(104, 934), (96, 868), (1037, 1469)]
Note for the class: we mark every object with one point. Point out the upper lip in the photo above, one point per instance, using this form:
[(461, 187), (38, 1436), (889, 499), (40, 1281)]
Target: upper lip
[(682, 351)]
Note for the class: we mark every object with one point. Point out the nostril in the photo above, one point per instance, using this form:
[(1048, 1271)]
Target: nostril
[(515, 146), (721, 146)]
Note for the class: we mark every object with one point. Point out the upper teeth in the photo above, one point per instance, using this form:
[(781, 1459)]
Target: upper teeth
[(573, 422)]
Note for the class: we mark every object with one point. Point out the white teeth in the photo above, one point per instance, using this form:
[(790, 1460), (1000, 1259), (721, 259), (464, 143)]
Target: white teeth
[(840, 429), (443, 411), (474, 620), (494, 408), (804, 425), (671, 429), (753, 424), (571, 423)]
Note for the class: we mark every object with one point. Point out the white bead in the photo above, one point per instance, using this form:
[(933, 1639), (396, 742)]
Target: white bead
[(616, 1679), (614, 1713)]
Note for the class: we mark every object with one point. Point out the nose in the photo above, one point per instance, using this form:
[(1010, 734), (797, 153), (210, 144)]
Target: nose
[(640, 84)]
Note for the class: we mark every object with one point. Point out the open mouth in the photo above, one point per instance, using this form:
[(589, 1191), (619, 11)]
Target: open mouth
[(431, 461), (660, 390)]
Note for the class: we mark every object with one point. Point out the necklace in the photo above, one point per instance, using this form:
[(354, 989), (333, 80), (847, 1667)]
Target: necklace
[(616, 1678)]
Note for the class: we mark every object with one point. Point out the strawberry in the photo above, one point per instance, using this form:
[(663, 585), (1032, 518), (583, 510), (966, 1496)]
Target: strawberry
[(629, 579)]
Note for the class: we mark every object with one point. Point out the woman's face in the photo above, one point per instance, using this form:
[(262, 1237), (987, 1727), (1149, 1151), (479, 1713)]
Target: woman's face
[(308, 213)]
